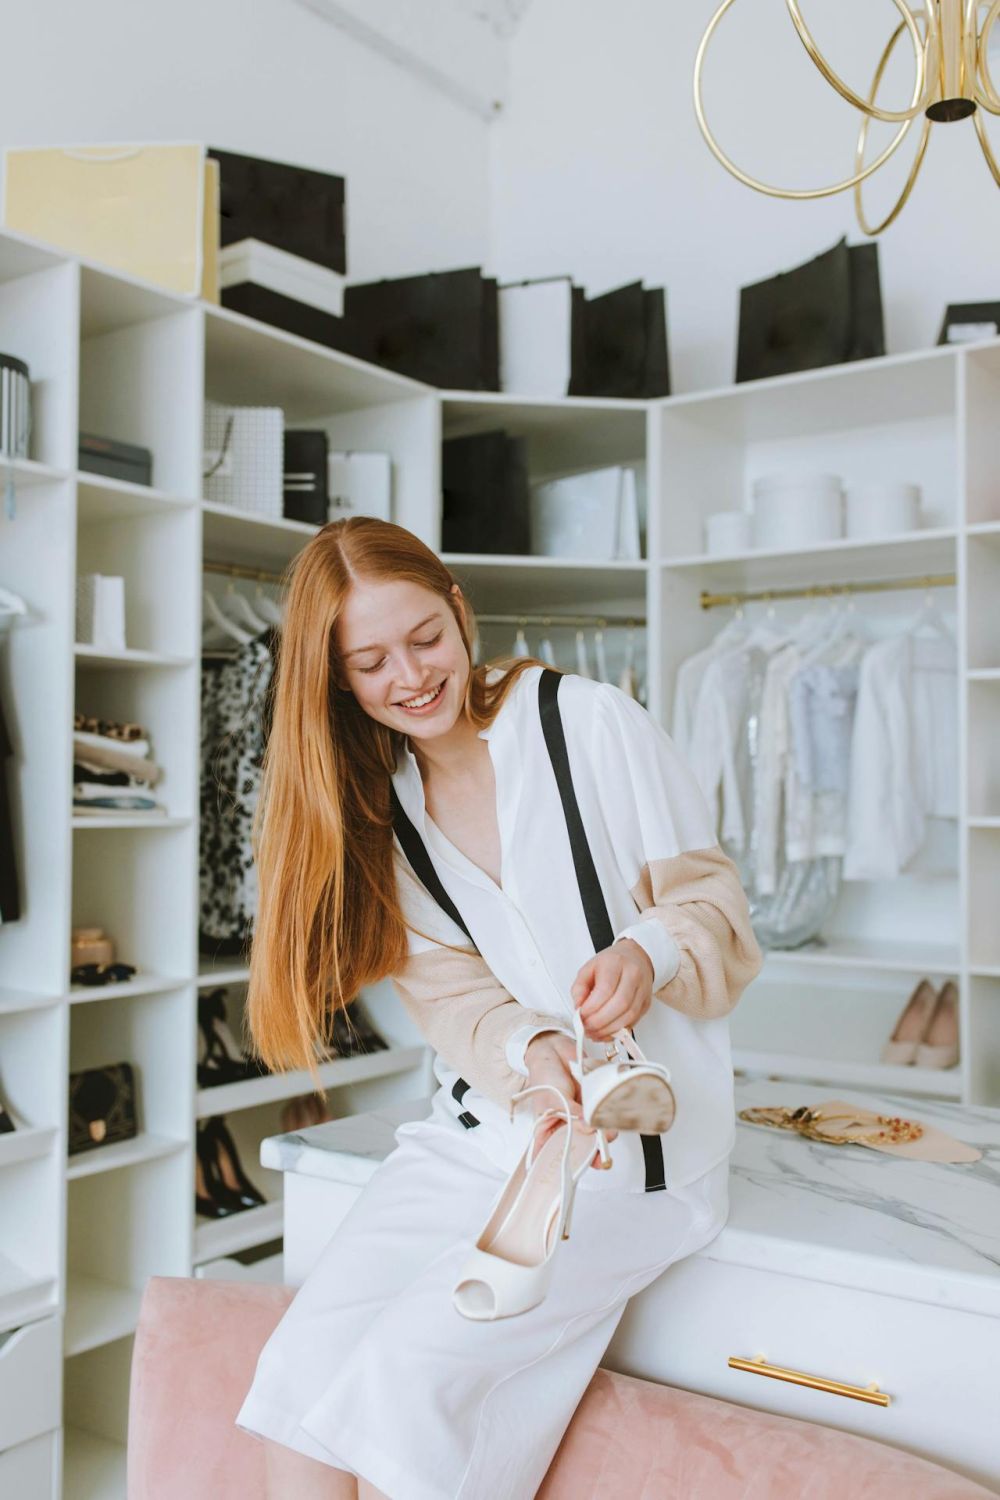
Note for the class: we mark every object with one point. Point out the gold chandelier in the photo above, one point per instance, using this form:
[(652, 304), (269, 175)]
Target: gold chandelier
[(950, 40)]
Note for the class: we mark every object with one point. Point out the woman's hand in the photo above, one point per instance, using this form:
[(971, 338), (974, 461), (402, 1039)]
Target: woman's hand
[(614, 989), (547, 1058)]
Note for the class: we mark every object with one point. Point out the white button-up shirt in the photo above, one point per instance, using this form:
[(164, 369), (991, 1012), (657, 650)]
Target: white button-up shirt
[(666, 884)]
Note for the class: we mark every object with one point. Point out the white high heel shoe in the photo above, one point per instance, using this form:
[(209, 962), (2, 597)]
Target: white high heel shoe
[(627, 1092), (510, 1266)]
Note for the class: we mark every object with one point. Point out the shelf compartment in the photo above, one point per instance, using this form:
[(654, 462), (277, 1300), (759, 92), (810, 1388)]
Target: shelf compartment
[(25, 1143), (507, 585), (140, 984), (562, 436), (250, 540), (983, 586), (221, 971), (141, 1148), (28, 474), (983, 884), (12, 1001), (251, 1092), (23, 1296), (916, 554), (870, 955), (128, 820), (984, 1036), (101, 498), (98, 1312), (830, 1031), (94, 656), (135, 881), (251, 363), (94, 1467), (242, 1231)]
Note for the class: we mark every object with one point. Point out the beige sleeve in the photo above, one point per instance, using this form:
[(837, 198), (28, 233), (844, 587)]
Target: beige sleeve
[(700, 901), (467, 1016)]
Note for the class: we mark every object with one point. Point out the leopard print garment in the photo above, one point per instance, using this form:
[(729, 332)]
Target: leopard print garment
[(233, 728)]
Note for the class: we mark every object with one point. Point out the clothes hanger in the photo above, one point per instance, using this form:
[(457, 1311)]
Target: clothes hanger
[(628, 681), (599, 657), (582, 664), (222, 622), (546, 652), (269, 609), (521, 647), (236, 606), (929, 614), (11, 605)]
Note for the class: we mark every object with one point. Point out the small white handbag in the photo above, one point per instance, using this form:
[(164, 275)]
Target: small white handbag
[(626, 1092)]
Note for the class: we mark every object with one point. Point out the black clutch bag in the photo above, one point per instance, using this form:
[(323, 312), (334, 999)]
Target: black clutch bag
[(101, 1107)]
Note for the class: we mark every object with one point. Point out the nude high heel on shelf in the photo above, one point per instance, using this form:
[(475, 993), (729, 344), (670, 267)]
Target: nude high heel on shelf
[(939, 1046), (510, 1267), (901, 1048), (627, 1092)]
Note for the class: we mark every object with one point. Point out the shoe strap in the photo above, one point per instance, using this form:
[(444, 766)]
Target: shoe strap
[(626, 1047)]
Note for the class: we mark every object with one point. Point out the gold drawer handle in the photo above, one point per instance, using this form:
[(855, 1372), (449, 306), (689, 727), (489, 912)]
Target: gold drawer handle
[(870, 1393)]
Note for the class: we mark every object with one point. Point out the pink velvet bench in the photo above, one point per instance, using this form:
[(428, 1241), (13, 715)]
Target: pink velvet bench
[(197, 1344)]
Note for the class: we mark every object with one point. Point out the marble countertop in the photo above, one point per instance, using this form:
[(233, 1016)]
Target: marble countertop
[(840, 1214)]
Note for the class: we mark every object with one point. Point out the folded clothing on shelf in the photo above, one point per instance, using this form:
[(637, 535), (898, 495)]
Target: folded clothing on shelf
[(112, 771)]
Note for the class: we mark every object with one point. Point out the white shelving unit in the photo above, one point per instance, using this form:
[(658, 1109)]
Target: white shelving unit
[(80, 1236)]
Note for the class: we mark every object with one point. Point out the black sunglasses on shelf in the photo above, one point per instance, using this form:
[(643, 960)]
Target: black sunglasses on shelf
[(92, 974)]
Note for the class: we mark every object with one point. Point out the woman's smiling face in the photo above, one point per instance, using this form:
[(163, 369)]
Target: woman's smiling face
[(402, 655)]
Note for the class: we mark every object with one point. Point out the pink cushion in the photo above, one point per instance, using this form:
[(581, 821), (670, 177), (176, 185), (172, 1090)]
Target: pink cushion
[(197, 1344)]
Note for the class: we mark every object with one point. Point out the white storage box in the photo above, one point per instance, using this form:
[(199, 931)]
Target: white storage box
[(797, 510), (359, 484), (100, 611), (252, 262), (244, 461), (876, 508), (728, 531), (30, 1382), (590, 515)]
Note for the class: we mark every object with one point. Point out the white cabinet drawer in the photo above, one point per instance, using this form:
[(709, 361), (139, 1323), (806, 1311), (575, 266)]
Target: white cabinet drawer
[(939, 1367), (27, 1472), (30, 1382)]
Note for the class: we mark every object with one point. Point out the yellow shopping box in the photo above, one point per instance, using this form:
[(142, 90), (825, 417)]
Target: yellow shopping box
[(148, 210)]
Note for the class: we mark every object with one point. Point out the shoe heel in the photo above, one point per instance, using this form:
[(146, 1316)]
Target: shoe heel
[(602, 1146), (569, 1216)]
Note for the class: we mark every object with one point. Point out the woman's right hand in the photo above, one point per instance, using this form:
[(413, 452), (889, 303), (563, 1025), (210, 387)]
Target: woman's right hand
[(547, 1058)]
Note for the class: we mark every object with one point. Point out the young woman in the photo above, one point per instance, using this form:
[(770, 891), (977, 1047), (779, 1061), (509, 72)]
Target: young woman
[(383, 732)]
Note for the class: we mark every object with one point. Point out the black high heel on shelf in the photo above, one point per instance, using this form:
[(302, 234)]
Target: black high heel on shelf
[(6, 1123), (230, 1169), (220, 1059), (353, 1033), (212, 1199)]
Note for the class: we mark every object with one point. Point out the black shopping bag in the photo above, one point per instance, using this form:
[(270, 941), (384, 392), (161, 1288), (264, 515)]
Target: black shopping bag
[(826, 312), (440, 328), (625, 345), (294, 208), (485, 495)]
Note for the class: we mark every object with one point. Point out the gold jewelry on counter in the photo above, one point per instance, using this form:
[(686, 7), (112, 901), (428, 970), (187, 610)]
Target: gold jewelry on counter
[(817, 1125)]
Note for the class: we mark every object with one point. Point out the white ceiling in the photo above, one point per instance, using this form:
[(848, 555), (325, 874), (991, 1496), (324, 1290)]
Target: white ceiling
[(501, 15)]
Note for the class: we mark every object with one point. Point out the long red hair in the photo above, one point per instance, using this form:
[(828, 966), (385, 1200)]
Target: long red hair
[(328, 918)]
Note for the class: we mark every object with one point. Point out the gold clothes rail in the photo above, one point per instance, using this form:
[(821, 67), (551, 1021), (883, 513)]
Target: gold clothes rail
[(236, 570), (827, 590)]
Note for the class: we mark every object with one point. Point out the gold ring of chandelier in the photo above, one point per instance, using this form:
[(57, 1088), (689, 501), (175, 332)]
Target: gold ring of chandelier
[(950, 53)]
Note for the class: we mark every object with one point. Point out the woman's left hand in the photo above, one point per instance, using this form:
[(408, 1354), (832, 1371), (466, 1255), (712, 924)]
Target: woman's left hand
[(614, 989)]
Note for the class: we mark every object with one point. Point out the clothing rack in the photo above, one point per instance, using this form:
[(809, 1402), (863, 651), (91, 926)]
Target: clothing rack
[(580, 622), (236, 570), (827, 590)]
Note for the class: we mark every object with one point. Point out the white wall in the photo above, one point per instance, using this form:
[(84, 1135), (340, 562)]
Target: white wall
[(269, 78), (599, 169)]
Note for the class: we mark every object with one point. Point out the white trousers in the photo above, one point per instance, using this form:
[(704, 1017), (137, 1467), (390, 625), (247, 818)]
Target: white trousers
[(372, 1370)]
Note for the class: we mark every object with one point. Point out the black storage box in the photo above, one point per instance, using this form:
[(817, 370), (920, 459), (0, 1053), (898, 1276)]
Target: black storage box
[(306, 489), (486, 500), (115, 460), (295, 208)]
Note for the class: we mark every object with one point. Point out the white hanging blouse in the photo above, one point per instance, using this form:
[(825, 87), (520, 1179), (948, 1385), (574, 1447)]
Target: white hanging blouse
[(665, 881)]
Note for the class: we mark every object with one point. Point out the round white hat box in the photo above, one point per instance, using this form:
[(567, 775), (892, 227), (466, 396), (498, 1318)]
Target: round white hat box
[(876, 508), (797, 510), (728, 531)]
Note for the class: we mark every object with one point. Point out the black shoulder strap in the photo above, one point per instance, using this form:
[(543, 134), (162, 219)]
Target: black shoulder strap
[(416, 852), (602, 934)]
